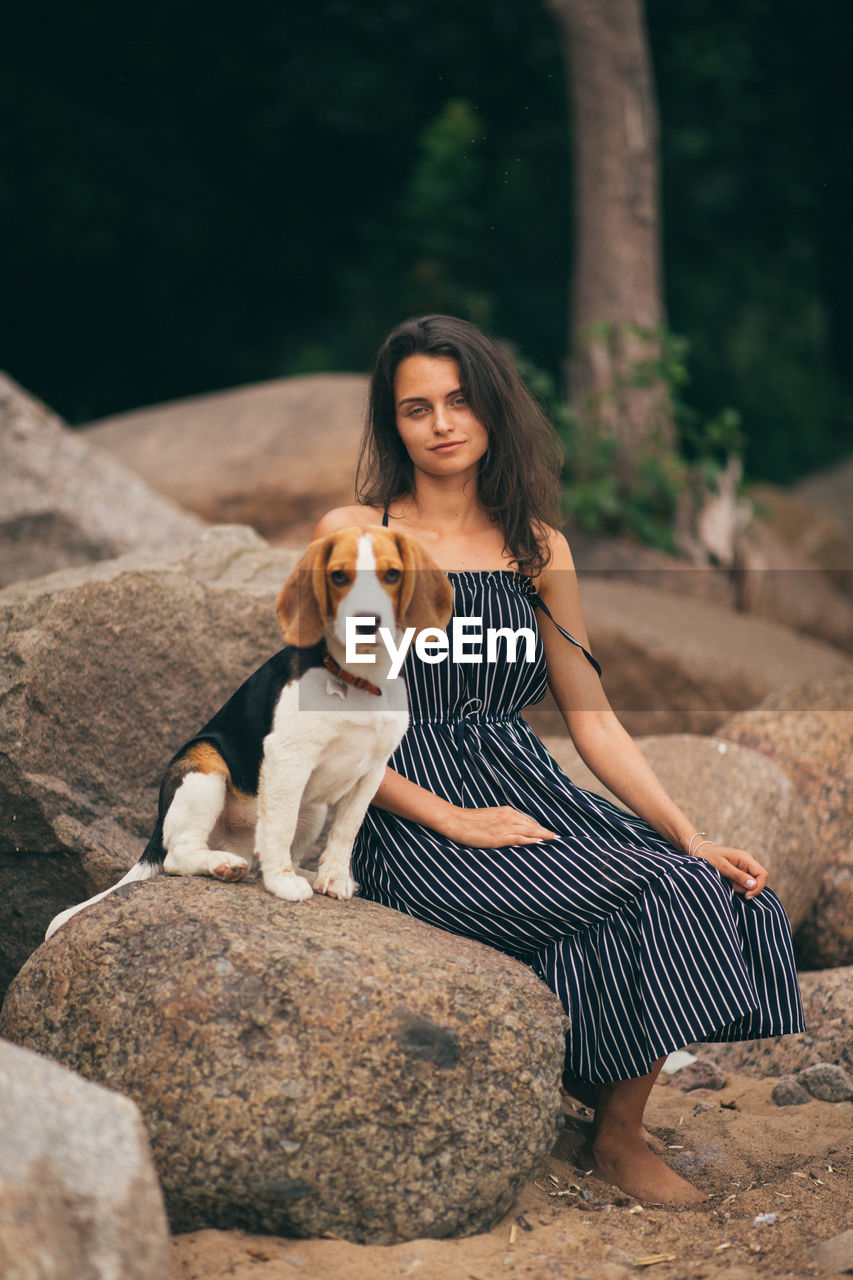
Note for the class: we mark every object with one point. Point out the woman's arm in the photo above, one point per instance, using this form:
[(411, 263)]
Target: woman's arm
[(602, 742), (489, 828)]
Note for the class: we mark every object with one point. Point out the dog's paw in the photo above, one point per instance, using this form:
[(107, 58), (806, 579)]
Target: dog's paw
[(335, 884), (218, 863), (288, 885), (230, 867)]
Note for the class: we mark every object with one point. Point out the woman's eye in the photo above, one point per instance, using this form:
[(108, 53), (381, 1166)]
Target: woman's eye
[(340, 577), (392, 575)]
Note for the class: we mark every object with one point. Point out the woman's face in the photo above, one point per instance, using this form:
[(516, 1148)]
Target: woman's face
[(435, 422)]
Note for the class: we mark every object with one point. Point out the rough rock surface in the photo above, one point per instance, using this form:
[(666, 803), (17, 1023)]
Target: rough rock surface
[(704, 1073), (680, 665), (79, 1198), (64, 503), (836, 1254), (827, 1081), (808, 731), (739, 797), (274, 456), (621, 560), (790, 1093), (323, 1067), (794, 565), (828, 1038), (829, 491), (778, 581), (104, 672)]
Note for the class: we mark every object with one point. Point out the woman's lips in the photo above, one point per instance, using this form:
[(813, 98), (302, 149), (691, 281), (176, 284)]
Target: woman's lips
[(446, 447)]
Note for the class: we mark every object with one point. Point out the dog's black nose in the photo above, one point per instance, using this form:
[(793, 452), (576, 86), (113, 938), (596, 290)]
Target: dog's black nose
[(369, 619)]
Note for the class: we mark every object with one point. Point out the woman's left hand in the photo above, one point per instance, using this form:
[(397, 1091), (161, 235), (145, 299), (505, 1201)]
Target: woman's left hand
[(746, 874)]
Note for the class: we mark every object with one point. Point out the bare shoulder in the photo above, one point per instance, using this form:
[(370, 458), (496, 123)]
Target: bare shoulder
[(345, 518), (559, 552), (558, 588)]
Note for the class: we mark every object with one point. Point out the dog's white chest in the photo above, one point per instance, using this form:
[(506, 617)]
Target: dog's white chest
[(354, 728)]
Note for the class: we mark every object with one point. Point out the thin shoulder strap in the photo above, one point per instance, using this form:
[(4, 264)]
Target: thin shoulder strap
[(539, 603), (385, 518)]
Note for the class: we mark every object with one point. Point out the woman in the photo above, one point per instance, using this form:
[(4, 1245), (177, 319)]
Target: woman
[(652, 935)]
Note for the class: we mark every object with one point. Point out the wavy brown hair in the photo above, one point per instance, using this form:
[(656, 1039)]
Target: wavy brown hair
[(518, 479)]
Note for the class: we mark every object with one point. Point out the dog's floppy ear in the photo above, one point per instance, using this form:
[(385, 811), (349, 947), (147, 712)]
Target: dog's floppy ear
[(302, 604), (428, 596)]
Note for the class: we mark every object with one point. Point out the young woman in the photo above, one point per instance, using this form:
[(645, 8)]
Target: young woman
[(651, 935)]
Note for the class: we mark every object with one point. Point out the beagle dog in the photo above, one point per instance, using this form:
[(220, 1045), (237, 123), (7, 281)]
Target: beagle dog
[(307, 731)]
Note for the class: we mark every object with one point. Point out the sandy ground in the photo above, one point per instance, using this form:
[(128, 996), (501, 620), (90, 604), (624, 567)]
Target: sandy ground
[(749, 1155)]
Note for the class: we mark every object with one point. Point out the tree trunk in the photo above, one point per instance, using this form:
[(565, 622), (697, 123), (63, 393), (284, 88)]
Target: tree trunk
[(616, 312)]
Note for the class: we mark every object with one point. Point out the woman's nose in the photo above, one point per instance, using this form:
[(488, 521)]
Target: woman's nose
[(441, 423)]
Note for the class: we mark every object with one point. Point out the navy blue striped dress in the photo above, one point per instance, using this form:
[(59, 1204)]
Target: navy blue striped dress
[(648, 949)]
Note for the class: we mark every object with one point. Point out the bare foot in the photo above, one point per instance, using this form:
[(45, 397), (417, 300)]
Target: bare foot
[(655, 1144), (580, 1091), (631, 1166)]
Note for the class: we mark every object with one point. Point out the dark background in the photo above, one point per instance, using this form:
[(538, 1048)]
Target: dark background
[(199, 195)]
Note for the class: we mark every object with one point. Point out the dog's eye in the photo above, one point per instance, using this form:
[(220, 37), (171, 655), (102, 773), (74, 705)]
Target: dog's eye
[(392, 575), (340, 577)]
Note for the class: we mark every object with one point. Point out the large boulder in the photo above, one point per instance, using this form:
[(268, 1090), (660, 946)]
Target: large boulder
[(738, 796), (104, 672), (274, 456), (64, 503), (677, 665), (779, 581), (79, 1197), (828, 1037), (808, 732), (304, 1069), (793, 564), (812, 529), (621, 560), (829, 491)]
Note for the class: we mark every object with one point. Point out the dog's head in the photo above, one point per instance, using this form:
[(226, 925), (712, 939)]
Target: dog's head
[(366, 572)]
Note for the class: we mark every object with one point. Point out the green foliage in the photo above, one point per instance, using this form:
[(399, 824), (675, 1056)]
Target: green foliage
[(441, 216), (595, 492)]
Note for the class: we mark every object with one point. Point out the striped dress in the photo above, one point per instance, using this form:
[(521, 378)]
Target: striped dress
[(647, 948)]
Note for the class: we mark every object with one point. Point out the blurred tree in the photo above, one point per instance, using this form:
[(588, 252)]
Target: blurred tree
[(195, 196), (617, 310)]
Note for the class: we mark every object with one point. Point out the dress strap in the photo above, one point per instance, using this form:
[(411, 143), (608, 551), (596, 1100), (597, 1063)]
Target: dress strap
[(539, 603), (385, 518)]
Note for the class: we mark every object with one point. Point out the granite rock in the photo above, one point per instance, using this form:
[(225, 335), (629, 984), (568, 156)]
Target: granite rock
[(827, 1081), (779, 581), (79, 1198), (829, 492), (679, 665), (790, 1093), (835, 1254), (807, 731), (704, 1073), (739, 797), (104, 671), (275, 455), (303, 1069), (63, 503), (828, 1038)]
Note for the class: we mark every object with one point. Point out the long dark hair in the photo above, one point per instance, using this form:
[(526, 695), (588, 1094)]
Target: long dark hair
[(518, 479)]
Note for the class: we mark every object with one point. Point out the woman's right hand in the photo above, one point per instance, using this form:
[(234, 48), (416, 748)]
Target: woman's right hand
[(493, 828)]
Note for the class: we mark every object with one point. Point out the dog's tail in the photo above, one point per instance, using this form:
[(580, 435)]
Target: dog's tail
[(149, 865)]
